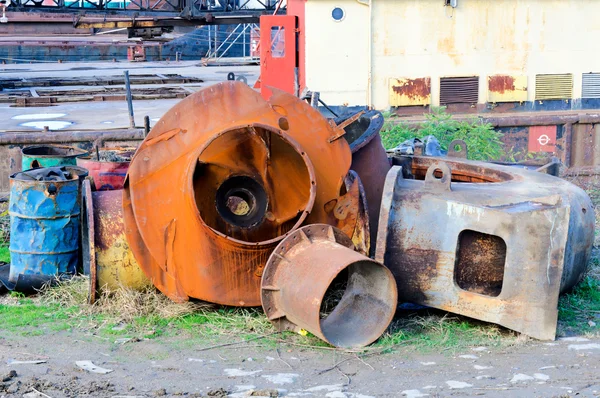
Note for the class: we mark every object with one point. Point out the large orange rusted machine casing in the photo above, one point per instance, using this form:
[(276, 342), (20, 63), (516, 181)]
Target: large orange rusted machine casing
[(226, 142)]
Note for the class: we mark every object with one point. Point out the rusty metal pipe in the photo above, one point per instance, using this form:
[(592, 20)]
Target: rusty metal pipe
[(71, 136), (300, 273), (520, 121)]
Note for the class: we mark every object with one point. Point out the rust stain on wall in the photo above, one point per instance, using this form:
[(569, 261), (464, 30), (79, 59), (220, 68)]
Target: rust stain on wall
[(501, 84), (414, 88), (410, 92)]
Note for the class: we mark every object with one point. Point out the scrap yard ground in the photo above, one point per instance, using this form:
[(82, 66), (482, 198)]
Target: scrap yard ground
[(153, 347)]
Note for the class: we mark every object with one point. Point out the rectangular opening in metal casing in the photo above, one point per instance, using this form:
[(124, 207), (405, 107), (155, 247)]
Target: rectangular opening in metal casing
[(459, 90), (480, 262)]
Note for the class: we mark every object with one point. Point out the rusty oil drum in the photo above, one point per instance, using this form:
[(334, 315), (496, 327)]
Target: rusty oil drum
[(44, 226), (49, 156), (107, 257), (109, 169)]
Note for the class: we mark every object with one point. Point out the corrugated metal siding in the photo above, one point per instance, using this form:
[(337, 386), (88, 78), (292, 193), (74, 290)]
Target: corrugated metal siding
[(507, 88), (454, 90), (590, 85), (557, 86), (409, 92)]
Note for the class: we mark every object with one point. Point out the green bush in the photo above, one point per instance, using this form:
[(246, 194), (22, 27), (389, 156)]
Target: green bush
[(483, 142)]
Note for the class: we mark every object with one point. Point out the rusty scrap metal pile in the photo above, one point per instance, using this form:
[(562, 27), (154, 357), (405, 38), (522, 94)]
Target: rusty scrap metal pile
[(242, 201)]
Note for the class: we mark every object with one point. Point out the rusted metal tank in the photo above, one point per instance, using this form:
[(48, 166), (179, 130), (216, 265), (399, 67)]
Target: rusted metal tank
[(219, 181), (49, 155), (44, 219), (107, 257), (492, 242), (314, 280), (370, 162), (108, 167)]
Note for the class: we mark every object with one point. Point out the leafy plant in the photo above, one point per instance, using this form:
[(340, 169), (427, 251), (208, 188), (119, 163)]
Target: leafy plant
[(483, 142)]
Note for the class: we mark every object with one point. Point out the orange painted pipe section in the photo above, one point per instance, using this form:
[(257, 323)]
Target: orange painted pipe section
[(220, 180)]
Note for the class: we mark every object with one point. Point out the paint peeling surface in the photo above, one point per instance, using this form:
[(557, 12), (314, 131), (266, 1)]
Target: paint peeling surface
[(410, 92), (505, 88)]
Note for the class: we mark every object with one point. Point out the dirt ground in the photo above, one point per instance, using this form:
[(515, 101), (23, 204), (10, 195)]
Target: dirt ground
[(168, 367)]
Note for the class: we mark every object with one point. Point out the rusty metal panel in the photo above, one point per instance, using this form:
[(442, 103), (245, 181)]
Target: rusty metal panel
[(554, 86), (542, 139), (459, 90), (410, 92), (370, 161), (506, 88), (590, 85), (501, 250)]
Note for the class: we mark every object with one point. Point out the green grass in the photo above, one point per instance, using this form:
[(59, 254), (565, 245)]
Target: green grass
[(579, 310), (483, 142), (4, 253), (26, 317), (437, 330)]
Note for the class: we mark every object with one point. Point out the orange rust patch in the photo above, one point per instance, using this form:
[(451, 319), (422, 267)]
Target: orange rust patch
[(414, 88), (501, 84)]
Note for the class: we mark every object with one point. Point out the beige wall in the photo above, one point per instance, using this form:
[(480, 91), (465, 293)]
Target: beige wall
[(337, 53), (422, 38)]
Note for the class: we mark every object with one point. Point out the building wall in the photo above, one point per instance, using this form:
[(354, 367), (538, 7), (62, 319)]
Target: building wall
[(337, 53), (423, 38)]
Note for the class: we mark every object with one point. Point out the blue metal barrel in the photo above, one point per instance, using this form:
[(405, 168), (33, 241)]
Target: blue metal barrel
[(44, 226)]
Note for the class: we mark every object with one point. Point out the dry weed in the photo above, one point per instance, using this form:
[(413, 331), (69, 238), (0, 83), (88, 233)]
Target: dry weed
[(121, 305)]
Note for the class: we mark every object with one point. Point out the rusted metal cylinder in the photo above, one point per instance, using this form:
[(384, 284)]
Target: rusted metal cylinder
[(300, 276), (108, 259), (370, 162), (109, 168), (49, 156)]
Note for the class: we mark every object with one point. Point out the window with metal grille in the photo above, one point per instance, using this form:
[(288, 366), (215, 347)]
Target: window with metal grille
[(554, 86), (456, 90)]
